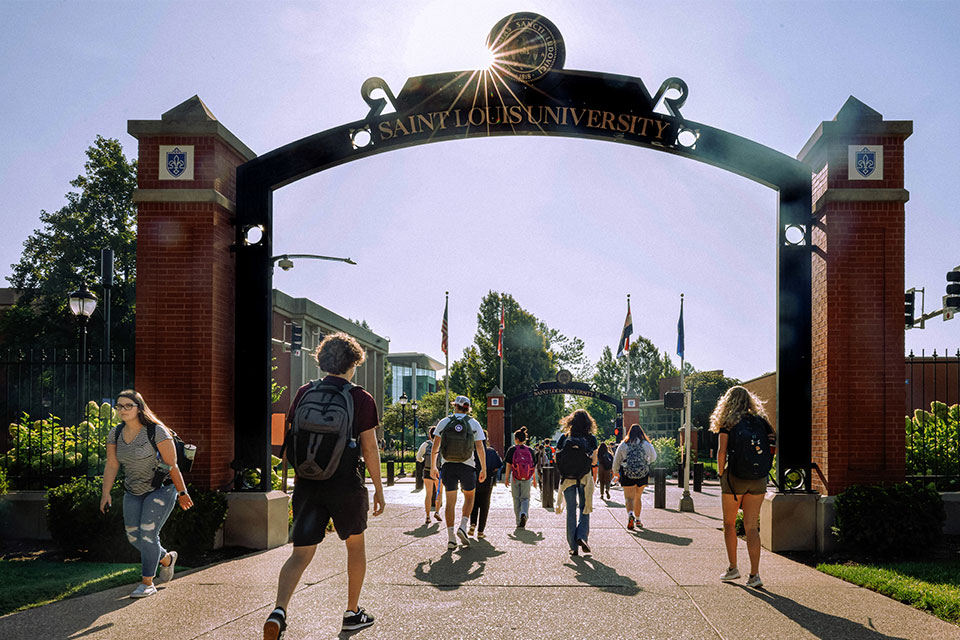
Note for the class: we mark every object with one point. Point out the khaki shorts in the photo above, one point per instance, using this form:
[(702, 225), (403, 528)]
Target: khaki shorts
[(731, 484)]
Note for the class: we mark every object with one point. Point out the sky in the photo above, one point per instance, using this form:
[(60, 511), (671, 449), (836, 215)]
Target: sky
[(567, 227)]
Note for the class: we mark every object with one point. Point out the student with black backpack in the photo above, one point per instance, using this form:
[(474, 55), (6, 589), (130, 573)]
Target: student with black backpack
[(744, 458), (455, 440), (432, 494), (332, 423), (577, 465)]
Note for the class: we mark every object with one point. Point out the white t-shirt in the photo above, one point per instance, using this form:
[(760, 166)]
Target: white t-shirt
[(477, 435)]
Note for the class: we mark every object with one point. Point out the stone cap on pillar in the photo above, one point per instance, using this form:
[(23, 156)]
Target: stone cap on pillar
[(495, 399), (189, 118), (854, 118)]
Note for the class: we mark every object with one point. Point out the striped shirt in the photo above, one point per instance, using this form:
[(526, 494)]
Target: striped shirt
[(138, 458)]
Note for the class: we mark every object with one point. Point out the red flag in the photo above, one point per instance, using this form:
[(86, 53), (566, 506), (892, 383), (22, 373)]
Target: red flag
[(443, 329), (500, 340)]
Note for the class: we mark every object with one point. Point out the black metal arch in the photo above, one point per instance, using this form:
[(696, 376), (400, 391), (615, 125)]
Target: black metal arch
[(557, 389), (472, 104)]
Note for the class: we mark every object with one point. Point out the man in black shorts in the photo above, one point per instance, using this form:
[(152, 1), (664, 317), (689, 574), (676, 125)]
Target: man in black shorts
[(343, 497)]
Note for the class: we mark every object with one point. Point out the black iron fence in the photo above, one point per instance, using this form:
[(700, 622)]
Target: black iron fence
[(933, 418), (55, 408)]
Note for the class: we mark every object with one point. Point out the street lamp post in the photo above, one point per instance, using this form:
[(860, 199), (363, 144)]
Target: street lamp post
[(403, 432), (413, 428), (82, 304)]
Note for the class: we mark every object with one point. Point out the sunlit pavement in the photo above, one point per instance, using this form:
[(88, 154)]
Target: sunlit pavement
[(661, 581)]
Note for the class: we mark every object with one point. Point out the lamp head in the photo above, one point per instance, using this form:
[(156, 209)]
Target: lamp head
[(285, 263)]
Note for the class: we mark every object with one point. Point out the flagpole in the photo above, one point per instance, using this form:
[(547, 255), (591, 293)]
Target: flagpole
[(446, 353), (686, 502), (502, 329), (628, 350)]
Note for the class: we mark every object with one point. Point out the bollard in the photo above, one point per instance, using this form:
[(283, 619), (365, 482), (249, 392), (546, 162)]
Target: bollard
[(680, 475), (546, 487), (419, 472), (660, 488), (698, 477), (389, 473)]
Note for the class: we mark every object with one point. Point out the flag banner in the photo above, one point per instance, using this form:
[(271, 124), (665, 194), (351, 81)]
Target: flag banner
[(624, 346), (500, 339), (680, 332), (443, 329)]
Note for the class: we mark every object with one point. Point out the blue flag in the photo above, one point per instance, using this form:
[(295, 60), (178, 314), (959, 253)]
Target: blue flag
[(680, 331)]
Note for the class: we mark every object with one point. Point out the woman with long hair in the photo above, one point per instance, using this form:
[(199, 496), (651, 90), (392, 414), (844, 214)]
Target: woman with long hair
[(577, 463), (153, 484), (605, 469), (632, 464), (737, 409)]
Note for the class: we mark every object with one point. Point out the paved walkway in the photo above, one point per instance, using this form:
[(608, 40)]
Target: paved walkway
[(661, 582)]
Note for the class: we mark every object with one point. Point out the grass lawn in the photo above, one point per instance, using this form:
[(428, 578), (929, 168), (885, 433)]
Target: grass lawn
[(932, 586), (26, 583)]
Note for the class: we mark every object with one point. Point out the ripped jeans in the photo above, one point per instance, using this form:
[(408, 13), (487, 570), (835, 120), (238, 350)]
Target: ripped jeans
[(143, 517)]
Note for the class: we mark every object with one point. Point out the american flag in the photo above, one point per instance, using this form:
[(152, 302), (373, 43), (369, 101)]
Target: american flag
[(443, 329), (500, 340)]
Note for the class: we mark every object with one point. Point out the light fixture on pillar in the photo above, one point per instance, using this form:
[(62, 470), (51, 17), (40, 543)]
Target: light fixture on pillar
[(284, 261), (82, 304), (403, 434)]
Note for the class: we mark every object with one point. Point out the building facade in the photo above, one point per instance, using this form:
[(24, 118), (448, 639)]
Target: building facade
[(414, 374)]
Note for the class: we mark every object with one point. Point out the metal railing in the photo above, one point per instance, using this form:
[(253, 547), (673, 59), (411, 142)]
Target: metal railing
[(50, 433), (932, 444)]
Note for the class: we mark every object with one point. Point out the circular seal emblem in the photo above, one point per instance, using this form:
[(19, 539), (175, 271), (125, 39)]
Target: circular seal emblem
[(526, 46), (564, 376), (458, 427)]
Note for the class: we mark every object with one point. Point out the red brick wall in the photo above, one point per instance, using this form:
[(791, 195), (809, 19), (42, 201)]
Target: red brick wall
[(857, 358)]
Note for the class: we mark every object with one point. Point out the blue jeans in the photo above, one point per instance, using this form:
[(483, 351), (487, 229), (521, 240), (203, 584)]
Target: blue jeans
[(576, 530), (521, 497), (143, 517)]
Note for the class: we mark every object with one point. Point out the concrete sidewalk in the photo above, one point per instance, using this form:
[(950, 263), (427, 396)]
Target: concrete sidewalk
[(660, 582)]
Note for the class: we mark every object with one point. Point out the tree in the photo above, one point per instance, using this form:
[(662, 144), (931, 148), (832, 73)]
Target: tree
[(706, 388), (430, 409), (65, 252), (528, 361)]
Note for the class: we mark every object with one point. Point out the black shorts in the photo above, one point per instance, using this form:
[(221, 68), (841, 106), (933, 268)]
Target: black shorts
[(626, 481), (315, 503), (458, 473)]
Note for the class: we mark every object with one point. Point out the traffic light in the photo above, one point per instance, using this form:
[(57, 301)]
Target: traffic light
[(296, 339), (909, 299), (673, 400), (951, 301), (618, 434)]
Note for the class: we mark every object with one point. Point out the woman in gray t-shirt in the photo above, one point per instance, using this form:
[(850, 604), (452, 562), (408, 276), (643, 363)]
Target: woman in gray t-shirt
[(153, 485)]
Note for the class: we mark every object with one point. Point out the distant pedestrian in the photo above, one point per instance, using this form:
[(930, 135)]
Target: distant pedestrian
[(455, 439), (744, 454), (632, 464), (481, 501), (142, 444), (605, 469), (576, 460), (432, 495), (520, 469), (327, 487)]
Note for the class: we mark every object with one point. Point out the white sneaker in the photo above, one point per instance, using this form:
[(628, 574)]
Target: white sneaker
[(732, 574), (755, 581), (165, 574), (462, 534), (143, 590)]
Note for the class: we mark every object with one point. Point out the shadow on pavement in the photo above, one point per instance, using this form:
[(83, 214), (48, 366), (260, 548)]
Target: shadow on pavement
[(424, 530), (526, 536), (614, 503), (72, 626), (456, 567), (659, 536), (822, 625), (596, 574)]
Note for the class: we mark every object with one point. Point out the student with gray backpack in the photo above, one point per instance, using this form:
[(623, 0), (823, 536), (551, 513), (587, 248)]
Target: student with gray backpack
[(432, 494), (745, 450), (632, 462), (332, 423), (455, 440)]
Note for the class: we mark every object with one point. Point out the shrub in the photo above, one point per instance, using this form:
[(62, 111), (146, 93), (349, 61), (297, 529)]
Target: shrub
[(933, 440), (899, 520), (668, 453), (4, 485), (77, 526)]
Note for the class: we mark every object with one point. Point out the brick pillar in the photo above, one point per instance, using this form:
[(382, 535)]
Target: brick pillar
[(631, 413), (857, 297), (185, 279), (495, 419)]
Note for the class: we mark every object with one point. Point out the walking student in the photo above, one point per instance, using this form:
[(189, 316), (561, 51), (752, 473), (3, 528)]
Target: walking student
[(152, 482), (520, 468), (605, 468), (632, 463), (744, 458), (432, 496), (481, 502), (455, 439), (332, 423), (577, 465)]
